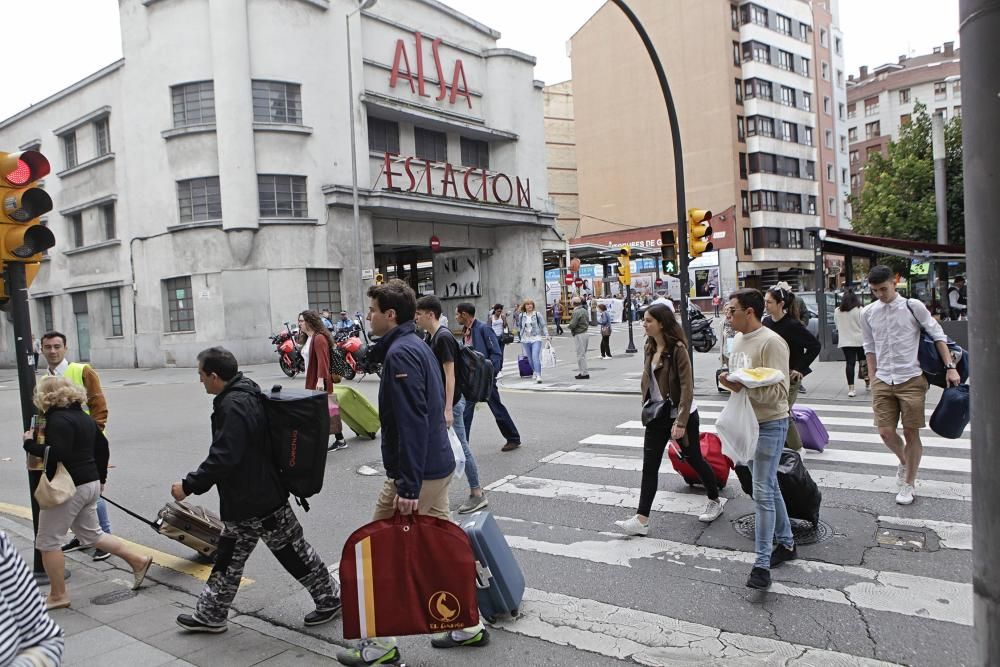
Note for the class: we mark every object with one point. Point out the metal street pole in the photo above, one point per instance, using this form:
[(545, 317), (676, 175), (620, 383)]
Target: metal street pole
[(675, 138), (941, 207), (631, 341), (979, 25)]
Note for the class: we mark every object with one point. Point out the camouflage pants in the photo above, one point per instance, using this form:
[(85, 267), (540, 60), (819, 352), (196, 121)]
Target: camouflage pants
[(282, 534)]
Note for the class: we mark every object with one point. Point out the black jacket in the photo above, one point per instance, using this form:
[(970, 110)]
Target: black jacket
[(76, 442), (803, 347), (415, 442), (238, 463)]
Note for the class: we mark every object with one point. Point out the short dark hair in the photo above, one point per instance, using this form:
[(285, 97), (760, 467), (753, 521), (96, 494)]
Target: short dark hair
[(879, 274), (54, 334), (430, 304), (959, 279), (750, 299), (220, 361), (467, 308), (395, 295)]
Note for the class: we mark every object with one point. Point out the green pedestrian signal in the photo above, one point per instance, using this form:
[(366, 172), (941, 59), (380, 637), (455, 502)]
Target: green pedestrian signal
[(669, 267)]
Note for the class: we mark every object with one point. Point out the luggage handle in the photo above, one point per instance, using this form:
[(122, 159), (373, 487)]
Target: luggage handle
[(155, 525), (483, 576)]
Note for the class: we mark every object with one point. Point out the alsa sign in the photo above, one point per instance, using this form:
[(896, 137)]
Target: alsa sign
[(418, 83)]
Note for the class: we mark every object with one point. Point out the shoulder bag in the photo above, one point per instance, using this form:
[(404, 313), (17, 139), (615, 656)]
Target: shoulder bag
[(656, 412), (53, 492)]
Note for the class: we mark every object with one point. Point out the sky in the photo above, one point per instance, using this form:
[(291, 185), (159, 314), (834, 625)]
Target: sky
[(88, 36)]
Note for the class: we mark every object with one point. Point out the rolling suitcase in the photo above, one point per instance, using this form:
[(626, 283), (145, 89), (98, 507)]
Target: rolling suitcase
[(711, 451), (801, 495), (524, 367), (810, 428), (191, 525), (499, 580), (357, 412)]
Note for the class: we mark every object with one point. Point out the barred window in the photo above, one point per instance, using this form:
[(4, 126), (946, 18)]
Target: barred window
[(108, 217), (430, 145), (102, 136), (277, 102), (199, 199), (69, 149), (180, 304), (323, 289), (383, 135), (282, 196), (475, 153), (115, 301), (194, 103)]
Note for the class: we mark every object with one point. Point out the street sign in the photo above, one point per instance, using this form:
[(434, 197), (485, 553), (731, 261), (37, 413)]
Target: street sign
[(569, 277), (435, 244), (579, 282), (367, 274), (659, 282)]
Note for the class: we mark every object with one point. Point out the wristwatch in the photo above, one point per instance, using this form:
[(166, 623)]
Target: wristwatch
[(950, 367)]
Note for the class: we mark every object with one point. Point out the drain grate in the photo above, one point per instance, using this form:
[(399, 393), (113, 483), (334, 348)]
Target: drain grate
[(803, 531), (113, 597)]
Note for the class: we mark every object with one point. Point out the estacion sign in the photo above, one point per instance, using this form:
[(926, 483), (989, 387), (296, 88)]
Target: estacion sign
[(477, 184)]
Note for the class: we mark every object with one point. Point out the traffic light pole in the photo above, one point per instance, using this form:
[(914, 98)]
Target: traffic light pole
[(675, 137), (631, 316)]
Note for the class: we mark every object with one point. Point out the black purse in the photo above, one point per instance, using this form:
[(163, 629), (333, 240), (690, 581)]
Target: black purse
[(655, 411)]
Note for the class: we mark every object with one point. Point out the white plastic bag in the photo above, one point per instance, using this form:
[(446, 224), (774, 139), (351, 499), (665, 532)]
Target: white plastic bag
[(548, 356), (456, 449), (738, 429)]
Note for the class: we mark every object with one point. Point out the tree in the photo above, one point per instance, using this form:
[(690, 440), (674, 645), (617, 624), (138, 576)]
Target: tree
[(897, 199)]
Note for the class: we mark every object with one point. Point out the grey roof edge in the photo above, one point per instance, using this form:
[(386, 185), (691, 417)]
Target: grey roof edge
[(68, 90), (510, 53), (454, 13)]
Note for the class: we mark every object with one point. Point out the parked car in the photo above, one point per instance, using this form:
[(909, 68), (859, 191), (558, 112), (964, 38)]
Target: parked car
[(832, 301)]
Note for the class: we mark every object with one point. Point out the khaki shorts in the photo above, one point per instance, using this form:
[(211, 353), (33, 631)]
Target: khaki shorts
[(433, 499), (906, 399), (78, 513)]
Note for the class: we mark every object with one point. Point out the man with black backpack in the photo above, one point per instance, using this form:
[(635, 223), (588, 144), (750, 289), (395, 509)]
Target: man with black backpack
[(253, 502)]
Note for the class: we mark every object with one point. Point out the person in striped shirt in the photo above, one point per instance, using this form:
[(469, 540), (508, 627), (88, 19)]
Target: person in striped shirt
[(28, 635)]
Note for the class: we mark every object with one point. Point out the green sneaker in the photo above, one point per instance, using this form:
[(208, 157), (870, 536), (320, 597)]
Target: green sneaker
[(370, 652), (460, 638)]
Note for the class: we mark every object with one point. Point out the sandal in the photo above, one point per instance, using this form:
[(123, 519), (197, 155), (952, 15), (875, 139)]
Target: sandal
[(140, 574), (49, 606)]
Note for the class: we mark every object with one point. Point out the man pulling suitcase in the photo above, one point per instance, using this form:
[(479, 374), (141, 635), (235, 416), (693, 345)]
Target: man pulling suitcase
[(253, 502)]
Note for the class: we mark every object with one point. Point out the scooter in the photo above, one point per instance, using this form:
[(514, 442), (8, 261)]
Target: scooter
[(703, 337), (289, 355), (350, 356)]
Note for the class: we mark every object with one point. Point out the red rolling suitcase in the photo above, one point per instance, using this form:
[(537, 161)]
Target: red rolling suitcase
[(711, 451)]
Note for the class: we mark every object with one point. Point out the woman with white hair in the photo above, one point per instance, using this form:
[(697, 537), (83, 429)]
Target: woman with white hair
[(68, 436)]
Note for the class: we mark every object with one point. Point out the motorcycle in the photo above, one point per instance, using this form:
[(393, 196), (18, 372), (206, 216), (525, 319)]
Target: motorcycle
[(350, 356), (703, 337), (289, 355)]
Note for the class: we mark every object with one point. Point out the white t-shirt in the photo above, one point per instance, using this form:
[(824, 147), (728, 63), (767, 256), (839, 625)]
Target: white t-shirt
[(306, 350), (530, 331)]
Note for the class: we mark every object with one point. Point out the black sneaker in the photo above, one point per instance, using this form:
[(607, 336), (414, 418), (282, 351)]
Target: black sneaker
[(759, 578), (336, 446), (101, 555), (448, 639), (782, 554), (192, 624), (321, 616), (72, 545)]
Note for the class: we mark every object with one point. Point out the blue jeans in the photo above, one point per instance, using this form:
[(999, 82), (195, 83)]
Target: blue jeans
[(471, 470), (504, 422), (102, 516), (533, 350), (771, 517)]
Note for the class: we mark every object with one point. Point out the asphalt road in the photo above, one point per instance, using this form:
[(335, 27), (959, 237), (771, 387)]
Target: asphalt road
[(595, 598)]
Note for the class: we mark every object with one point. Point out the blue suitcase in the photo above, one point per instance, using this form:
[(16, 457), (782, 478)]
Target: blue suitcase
[(499, 580)]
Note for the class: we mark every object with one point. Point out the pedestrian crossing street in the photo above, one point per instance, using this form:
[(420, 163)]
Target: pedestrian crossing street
[(924, 593)]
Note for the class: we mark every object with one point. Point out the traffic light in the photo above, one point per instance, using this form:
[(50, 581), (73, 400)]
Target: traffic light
[(22, 237), (379, 279), (625, 267), (668, 251), (699, 232)]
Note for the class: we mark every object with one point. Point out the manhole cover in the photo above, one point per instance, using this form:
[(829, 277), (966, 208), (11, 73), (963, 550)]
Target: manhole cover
[(802, 531), (113, 597), (896, 538)]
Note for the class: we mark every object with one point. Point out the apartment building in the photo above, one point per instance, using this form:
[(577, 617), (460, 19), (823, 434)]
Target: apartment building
[(560, 156), (758, 98), (881, 101)]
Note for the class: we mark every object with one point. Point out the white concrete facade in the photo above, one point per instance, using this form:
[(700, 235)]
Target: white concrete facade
[(257, 259)]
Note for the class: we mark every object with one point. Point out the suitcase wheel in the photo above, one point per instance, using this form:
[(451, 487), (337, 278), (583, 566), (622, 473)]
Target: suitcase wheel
[(371, 435), (514, 613), (490, 619)]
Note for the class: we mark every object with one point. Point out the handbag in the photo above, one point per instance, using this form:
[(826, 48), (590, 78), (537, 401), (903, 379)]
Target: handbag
[(548, 356), (654, 411), (605, 329), (53, 492), (507, 337)]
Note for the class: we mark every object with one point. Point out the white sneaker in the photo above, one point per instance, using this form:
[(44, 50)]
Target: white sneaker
[(633, 526), (851, 394), (499, 375), (538, 379), (713, 510), (905, 495), (900, 476)]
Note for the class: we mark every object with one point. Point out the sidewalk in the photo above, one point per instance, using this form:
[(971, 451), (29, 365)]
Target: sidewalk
[(111, 626)]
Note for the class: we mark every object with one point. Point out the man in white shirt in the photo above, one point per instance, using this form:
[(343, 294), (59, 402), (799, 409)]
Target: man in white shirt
[(891, 329)]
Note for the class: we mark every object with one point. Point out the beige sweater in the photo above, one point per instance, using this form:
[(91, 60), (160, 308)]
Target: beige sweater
[(765, 348)]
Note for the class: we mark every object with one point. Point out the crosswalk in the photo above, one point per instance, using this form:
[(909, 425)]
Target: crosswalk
[(870, 577)]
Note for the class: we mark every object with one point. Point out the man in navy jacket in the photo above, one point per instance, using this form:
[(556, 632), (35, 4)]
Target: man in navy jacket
[(483, 340)]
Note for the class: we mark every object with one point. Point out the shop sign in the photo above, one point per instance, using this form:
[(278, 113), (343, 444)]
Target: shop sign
[(477, 184), (418, 83), (456, 274)]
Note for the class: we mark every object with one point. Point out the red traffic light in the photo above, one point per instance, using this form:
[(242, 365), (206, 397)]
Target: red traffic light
[(25, 167)]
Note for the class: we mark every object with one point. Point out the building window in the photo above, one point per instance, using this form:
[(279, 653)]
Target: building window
[(102, 137), (872, 151), (734, 16), (475, 153), (758, 15), (843, 175), (788, 96), (194, 103), (855, 182), (383, 135), (323, 288), (841, 111), (739, 91), (736, 53), (743, 165), (277, 102), (763, 200), (783, 24), (199, 199), (804, 32), (76, 229), (843, 144), (745, 201), (764, 90), (47, 321), (852, 110), (281, 196), (822, 37), (108, 219), (831, 206), (180, 304), (789, 131), (115, 301), (943, 111), (69, 149), (956, 87), (836, 45), (826, 105), (840, 78), (788, 166), (940, 90), (852, 134), (810, 170), (829, 172), (811, 205), (872, 130), (431, 145), (854, 157), (747, 243), (828, 138), (904, 96), (795, 238), (785, 60), (904, 119), (957, 112), (871, 106), (804, 71), (807, 136), (807, 101), (740, 132), (756, 51), (765, 126), (825, 71)]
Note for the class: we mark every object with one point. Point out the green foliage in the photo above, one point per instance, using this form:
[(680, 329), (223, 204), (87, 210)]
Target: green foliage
[(897, 199)]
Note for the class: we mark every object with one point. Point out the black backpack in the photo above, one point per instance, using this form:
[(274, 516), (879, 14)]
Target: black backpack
[(475, 374), (298, 429)]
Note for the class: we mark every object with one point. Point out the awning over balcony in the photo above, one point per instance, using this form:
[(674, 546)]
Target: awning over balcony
[(841, 242)]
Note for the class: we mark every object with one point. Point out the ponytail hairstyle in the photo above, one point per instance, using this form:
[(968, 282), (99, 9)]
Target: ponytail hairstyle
[(786, 298)]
